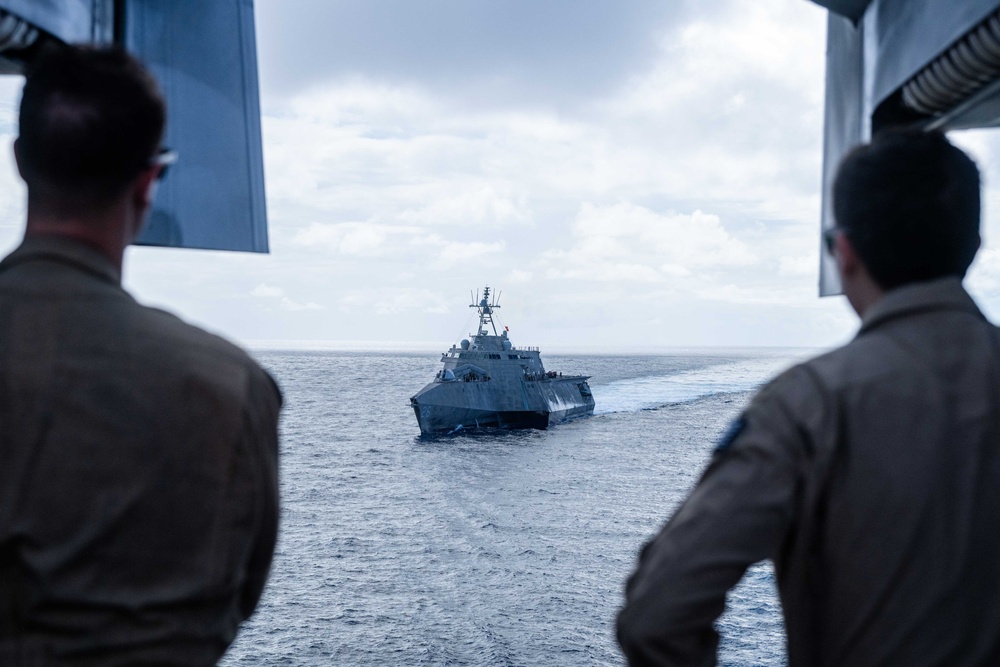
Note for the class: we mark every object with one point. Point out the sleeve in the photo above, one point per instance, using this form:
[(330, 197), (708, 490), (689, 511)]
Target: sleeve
[(739, 513), (260, 433)]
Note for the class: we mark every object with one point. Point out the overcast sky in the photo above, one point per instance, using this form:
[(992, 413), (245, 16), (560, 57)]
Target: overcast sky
[(630, 175)]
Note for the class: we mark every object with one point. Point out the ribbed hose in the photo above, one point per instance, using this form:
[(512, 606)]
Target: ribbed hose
[(952, 77), (15, 33)]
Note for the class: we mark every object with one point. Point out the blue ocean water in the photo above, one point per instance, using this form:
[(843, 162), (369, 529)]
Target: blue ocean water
[(508, 548)]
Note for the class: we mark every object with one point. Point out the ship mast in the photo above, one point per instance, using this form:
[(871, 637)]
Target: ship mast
[(486, 309)]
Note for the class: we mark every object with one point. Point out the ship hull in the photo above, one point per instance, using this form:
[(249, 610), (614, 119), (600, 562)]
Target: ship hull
[(443, 407)]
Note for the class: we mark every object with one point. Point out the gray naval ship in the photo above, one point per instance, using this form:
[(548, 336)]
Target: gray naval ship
[(487, 382)]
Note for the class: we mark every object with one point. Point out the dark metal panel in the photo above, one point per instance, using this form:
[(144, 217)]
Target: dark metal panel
[(908, 34), (852, 9), (845, 122), (204, 54)]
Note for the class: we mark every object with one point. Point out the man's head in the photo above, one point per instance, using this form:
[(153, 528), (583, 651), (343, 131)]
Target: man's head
[(91, 121), (908, 204)]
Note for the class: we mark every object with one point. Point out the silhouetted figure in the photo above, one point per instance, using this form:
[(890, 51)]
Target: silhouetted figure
[(138, 454), (869, 475)]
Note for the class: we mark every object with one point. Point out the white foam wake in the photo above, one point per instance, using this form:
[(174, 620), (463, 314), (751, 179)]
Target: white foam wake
[(643, 393)]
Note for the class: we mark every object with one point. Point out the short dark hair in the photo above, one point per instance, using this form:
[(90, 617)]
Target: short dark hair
[(909, 203), (91, 119)]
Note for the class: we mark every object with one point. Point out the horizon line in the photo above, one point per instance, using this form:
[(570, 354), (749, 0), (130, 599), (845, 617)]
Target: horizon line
[(333, 345)]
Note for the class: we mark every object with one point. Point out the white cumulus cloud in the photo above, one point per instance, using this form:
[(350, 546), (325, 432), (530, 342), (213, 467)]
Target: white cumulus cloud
[(278, 295), (628, 242)]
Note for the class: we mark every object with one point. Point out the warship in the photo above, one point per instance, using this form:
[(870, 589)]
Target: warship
[(487, 382)]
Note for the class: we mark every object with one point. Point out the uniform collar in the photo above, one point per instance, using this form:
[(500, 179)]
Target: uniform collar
[(940, 294), (65, 251)]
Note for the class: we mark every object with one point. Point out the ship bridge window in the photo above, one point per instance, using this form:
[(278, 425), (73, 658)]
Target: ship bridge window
[(512, 356), (495, 356)]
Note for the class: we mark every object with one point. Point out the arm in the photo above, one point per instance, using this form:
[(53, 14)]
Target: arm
[(739, 513), (260, 432)]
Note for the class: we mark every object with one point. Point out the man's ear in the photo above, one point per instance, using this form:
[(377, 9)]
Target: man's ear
[(144, 187), (848, 261)]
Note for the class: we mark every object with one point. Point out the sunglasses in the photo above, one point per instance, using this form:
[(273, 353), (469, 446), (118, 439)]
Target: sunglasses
[(163, 159), (830, 238)]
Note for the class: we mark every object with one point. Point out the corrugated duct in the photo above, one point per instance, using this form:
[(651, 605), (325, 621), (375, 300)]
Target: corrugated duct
[(15, 33), (964, 68)]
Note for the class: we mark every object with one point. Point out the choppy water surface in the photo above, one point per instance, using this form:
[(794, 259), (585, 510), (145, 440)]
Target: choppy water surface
[(487, 549)]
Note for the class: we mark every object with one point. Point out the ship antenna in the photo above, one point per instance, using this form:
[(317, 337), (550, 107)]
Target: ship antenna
[(485, 310), (494, 306)]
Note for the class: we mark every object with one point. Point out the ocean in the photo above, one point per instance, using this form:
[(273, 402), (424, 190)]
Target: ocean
[(504, 548)]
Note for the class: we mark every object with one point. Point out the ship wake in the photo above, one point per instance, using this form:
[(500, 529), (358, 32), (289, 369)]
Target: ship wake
[(645, 393)]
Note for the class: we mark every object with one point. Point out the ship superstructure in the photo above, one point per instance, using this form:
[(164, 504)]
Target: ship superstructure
[(486, 381)]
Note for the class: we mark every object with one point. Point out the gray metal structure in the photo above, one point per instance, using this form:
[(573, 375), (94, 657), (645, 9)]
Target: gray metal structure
[(928, 64), (487, 382), (204, 54)]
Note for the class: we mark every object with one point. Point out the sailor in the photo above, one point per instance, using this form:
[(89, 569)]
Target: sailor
[(138, 454), (869, 475)]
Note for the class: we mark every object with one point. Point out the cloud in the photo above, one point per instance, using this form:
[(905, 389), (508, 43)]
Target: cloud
[(696, 170), (596, 160), (790, 295), (288, 304), (799, 266), (457, 252), (479, 53), (985, 273), (12, 204), (266, 291), (276, 293), (517, 276), (394, 301), (626, 242), (353, 238), (741, 121), (474, 202)]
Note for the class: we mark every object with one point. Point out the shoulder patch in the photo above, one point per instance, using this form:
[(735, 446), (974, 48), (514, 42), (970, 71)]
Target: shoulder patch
[(736, 427)]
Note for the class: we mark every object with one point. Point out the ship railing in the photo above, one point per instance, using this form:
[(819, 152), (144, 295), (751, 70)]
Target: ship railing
[(467, 377), (545, 375), (473, 377)]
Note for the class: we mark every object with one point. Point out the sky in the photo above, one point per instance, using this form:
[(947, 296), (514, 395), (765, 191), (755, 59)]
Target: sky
[(630, 175)]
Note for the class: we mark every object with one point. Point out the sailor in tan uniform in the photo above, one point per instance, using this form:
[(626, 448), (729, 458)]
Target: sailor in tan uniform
[(870, 475), (138, 454)]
